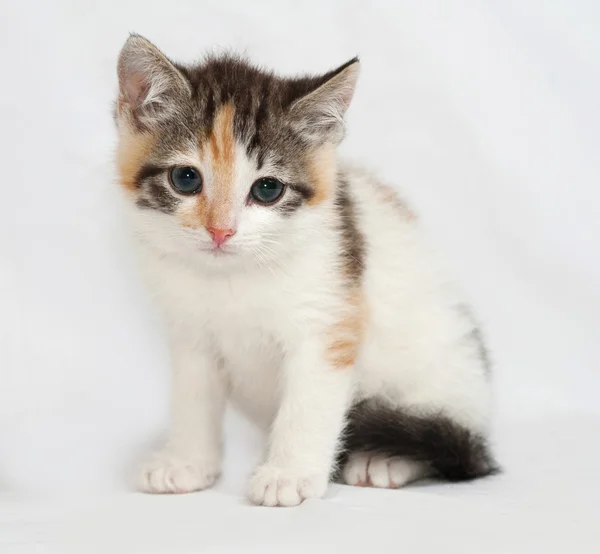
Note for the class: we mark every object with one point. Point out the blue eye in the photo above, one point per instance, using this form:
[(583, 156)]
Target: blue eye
[(267, 190), (186, 180)]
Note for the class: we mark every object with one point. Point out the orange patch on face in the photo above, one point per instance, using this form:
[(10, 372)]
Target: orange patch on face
[(323, 169), (346, 335), (220, 149), (197, 216), (132, 151), (217, 153)]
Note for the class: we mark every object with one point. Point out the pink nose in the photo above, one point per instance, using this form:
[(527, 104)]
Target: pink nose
[(219, 236)]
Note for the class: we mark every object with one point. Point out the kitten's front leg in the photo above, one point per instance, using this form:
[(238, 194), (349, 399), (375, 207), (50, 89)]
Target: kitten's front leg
[(306, 430), (191, 458)]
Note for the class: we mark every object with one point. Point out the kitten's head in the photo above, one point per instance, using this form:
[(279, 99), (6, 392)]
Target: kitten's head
[(225, 163)]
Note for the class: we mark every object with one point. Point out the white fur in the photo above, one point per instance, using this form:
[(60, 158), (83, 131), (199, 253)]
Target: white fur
[(253, 325), (191, 458), (366, 469)]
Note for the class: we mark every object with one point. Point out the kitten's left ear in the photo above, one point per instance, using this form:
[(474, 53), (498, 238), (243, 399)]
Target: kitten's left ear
[(320, 112)]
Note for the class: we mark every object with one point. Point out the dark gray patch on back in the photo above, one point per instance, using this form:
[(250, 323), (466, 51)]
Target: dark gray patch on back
[(353, 243), (476, 338)]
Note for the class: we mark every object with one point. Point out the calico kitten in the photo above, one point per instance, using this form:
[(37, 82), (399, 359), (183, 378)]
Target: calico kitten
[(292, 284)]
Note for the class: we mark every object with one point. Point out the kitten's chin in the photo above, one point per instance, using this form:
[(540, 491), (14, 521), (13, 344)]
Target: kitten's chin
[(217, 252), (222, 258)]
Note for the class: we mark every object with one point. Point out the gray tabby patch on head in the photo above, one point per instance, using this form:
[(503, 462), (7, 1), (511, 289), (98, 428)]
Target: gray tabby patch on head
[(164, 106), (158, 89)]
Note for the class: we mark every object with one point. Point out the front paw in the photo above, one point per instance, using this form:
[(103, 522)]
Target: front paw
[(276, 486), (170, 472)]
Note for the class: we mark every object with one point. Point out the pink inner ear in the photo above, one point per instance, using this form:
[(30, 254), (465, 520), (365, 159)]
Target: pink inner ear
[(345, 89), (345, 96), (135, 88)]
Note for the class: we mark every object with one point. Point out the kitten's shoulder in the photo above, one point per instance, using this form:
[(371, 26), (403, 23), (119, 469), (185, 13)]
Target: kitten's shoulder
[(369, 189)]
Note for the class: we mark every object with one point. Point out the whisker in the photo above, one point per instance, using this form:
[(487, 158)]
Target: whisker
[(274, 257), (263, 261)]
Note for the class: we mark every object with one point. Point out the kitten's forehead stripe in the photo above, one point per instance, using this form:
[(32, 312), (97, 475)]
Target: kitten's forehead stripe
[(222, 158)]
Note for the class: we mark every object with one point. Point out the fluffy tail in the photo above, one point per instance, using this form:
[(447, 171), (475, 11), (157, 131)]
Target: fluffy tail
[(452, 451)]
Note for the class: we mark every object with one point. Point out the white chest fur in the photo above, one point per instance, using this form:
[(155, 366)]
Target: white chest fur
[(249, 318)]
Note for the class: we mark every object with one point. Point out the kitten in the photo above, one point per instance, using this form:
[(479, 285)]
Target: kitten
[(292, 284)]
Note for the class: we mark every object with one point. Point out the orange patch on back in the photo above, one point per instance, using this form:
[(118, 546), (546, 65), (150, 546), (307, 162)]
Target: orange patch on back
[(391, 196), (345, 336), (323, 169), (132, 151)]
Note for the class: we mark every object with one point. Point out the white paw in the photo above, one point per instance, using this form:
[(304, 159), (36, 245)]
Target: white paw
[(273, 486), (365, 469), (175, 473)]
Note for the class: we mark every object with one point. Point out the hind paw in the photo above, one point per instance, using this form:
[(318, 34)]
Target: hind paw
[(365, 469)]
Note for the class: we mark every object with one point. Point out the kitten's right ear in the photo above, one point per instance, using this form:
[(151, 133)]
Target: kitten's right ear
[(150, 86)]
